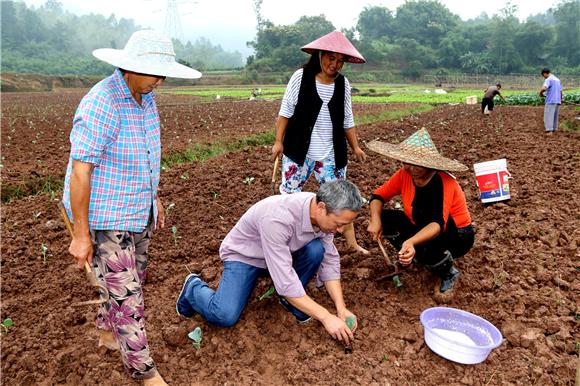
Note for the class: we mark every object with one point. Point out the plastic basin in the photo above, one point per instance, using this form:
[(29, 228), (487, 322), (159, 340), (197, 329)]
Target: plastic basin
[(458, 335)]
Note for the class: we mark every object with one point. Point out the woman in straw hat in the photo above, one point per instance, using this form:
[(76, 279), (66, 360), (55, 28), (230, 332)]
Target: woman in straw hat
[(315, 120), (110, 189), (435, 227)]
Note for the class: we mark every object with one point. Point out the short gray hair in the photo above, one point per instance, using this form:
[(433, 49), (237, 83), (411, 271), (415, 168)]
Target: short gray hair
[(340, 195)]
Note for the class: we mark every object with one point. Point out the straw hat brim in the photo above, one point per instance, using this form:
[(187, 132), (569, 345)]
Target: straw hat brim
[(417, 156), (120, 59)]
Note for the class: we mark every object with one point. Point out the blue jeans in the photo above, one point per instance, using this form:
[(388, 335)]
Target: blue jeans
[(224, 306)]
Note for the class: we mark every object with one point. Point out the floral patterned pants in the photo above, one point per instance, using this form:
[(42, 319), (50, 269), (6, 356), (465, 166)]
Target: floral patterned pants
[(295, 176), (120, 264)]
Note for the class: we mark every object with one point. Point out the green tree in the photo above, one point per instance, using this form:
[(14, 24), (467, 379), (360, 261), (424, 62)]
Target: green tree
[(502, 48), (567, 44), (426, 21), (375, 22)]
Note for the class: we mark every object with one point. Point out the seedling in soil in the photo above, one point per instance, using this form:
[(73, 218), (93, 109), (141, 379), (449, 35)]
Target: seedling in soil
[(350, 323), (6, 324), (385, 358), (169, 208), (195, 335), (175, 236), (397, 281), (248, 180), (268, 294), (44, 249), (185, 176)]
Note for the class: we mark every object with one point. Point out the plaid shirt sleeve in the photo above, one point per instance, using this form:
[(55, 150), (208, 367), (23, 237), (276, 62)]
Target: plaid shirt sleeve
[(95, 125)]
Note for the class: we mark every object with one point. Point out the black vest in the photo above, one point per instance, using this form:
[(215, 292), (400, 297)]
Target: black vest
[(301, 124)]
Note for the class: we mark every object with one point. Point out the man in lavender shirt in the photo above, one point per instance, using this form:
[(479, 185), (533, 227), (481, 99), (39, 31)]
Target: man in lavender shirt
[(553, 88), (291, 238)]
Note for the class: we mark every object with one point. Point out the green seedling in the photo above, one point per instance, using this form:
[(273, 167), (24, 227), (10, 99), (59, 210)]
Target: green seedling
[(248, 180), (195, 335), (175, 236), (169, 208), (350, 321), (385, 358), (185, 176), (44, 249), (268, 294), (397, 281), (6, 324)]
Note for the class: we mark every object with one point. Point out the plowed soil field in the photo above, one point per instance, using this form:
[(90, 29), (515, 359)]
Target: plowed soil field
[(522, 274)]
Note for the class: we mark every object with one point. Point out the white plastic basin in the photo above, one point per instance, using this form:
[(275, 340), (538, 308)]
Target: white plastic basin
[(458, 335)]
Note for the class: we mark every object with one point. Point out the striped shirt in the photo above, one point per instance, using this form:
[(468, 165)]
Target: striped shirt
[(122, 140), (321, 146)]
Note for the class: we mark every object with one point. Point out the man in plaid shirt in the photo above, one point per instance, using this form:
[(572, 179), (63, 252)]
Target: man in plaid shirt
[(110, 189)]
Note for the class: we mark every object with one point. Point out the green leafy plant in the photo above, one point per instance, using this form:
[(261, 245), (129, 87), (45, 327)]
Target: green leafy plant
[(195, 336), (44, 250), (248, 180), (175, 236), (6, 324), (350, 321), (397, 281), (385, 358), (268, 294)]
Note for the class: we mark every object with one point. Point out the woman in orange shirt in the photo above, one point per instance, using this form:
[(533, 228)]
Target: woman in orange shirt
[(435, 227)]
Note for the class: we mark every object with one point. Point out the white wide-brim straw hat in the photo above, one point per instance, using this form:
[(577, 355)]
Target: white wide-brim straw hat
[(418, 150), (147, 52), (335, 42)]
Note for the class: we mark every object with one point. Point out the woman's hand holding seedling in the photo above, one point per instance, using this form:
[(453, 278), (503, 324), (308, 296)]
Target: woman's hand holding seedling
[(407, 252)]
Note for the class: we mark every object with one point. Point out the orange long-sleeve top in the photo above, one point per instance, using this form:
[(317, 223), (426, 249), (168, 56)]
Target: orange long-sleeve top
[(454, 204)]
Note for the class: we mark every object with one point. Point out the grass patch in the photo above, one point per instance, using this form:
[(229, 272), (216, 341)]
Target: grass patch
[(572, 125), (49, 185), (392, 115), (201, 152)]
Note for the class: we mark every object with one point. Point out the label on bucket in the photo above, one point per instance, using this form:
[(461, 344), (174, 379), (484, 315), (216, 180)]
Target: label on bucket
[(489, 185)]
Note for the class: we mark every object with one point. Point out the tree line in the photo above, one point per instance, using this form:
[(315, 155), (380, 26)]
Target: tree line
[(419, 36), (49, 40)]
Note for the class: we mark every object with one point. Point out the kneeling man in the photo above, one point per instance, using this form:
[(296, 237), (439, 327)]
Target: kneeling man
[(291, 238)]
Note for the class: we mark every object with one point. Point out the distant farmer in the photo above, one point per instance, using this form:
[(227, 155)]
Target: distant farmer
[(110, 189), (488, 96), (291, 238), (316, 120), (435, 227), (552, 91)]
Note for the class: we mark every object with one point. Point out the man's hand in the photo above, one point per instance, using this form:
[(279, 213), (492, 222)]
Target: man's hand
[(337, 328), (81, 248), (407, 252), (344, 313), (160, 214)]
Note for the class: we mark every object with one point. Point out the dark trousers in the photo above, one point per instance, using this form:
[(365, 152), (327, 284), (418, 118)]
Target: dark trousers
[(486, 102), (397, 228)]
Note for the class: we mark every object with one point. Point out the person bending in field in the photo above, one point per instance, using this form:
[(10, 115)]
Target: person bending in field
[(489, 94), (435, 227), (291, 238)]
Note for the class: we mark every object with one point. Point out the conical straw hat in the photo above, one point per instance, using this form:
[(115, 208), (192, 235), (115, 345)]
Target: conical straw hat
[(335, 42), (419, 150)]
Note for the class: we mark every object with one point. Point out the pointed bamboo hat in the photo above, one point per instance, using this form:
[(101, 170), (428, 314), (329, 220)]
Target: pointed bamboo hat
[(335, 42), (419, 150)]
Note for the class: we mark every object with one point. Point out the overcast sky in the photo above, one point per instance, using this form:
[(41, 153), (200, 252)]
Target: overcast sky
[(232, 23)]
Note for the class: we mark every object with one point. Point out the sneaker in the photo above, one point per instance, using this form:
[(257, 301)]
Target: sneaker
[(301, 317), (182, 307), (448, 281)]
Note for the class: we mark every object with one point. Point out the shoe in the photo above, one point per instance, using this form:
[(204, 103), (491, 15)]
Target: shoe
[(449, 280), (301, 317), (182, 307)]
